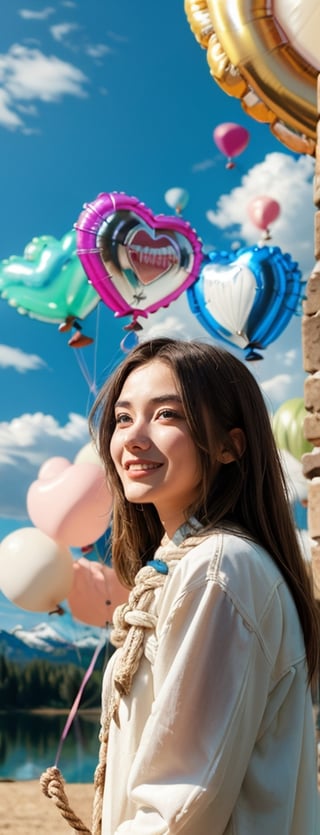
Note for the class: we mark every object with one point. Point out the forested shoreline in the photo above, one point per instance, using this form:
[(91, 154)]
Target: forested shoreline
[(41, 684)]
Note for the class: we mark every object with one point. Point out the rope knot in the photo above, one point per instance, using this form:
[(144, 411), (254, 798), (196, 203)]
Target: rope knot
[(135, 613), (52, 785), (50, 780), (143, 619)]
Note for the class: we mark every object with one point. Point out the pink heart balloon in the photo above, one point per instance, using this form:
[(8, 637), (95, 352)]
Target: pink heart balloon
[(73, 506), (53, 466), (137, 261)]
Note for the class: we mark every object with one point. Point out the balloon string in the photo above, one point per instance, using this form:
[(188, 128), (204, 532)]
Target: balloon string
[(95, 355), (91, 381), (85, 372), (76, 702)]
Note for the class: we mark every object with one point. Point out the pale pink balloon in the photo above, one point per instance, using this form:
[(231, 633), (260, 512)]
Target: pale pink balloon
[(53, 466), (95, 592), (74, 506), (263, 210)]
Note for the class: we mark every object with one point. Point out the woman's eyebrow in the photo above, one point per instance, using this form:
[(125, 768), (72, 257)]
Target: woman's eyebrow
[(163, 398)]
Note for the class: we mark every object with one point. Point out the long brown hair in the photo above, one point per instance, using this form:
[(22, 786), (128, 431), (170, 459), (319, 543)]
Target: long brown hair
[(218, 394)]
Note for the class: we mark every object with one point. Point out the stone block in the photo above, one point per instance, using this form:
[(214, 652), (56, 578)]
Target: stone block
[(311, 303), (311, 342), (311, 463), (314, 509), (316, 188), (317, 235), (315, 564), (312, 392), (311, 428)]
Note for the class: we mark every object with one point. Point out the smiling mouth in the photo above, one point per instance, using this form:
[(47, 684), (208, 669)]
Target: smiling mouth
[(162, 257), (143, 467)]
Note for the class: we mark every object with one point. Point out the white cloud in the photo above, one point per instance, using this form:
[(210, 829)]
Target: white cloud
[(179, 323), (8, 118), (115, 36), (61, 30), (25, 444), (203, 166), (167, 327), (287, 180), (97, 50), (27, 75), (27, 109), (17, 359), (29, 14), (276, 388), (290, 358)]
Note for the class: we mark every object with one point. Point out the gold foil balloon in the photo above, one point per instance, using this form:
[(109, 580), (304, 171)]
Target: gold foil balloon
[(267, 55)]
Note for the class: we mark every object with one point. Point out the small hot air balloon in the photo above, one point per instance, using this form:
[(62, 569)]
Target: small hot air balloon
[(231, 139), (262, 211), (177, 199)]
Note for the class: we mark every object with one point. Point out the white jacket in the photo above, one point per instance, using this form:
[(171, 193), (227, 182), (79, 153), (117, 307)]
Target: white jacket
[(217, 735)]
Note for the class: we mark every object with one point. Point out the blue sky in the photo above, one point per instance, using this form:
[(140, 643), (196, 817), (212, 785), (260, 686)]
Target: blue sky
[(109, 96)]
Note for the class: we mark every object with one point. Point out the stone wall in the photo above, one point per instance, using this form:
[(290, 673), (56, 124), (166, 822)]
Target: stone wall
[(311, 364)]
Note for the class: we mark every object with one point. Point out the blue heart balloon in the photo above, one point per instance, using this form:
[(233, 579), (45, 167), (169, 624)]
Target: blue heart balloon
[(247, 297)]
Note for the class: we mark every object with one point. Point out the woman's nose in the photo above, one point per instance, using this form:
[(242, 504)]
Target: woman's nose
[(136, 436)]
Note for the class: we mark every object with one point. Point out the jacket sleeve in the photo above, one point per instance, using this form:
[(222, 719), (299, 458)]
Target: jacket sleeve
[(211, 680)]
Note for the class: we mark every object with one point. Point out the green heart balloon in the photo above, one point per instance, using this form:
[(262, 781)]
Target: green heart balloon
[(48, 282)]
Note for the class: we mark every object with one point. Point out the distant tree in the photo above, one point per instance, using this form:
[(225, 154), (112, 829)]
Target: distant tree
[(8, 684)]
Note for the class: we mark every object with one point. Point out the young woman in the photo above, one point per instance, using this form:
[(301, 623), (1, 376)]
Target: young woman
[(207, 725)]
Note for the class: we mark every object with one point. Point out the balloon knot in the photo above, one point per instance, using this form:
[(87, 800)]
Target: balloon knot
[(133, 326), (59, 610)]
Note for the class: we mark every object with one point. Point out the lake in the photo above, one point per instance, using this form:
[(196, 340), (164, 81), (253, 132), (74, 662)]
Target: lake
[(29, 744)]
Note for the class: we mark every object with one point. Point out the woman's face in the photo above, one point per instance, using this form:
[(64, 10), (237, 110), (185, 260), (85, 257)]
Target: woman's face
[(153, 452)]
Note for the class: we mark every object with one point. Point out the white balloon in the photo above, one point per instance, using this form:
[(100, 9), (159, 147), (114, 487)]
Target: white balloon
[(88, 454), (36, 572)]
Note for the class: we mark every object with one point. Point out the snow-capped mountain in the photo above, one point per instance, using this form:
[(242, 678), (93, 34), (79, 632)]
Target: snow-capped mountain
[(43, 642)]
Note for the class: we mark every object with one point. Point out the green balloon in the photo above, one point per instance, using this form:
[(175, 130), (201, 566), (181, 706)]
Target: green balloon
[(48, 281), (287, 426)]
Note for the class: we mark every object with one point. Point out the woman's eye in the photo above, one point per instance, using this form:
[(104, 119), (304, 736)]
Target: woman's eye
[(169, 413), (122, 418)]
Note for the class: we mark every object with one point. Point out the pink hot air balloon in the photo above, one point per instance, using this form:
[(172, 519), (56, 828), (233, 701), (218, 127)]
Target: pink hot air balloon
[(231, 139), (262, 211)]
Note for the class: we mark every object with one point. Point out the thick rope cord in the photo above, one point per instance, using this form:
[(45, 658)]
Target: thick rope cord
[(131, 620), (52, 784), (99, 781)]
